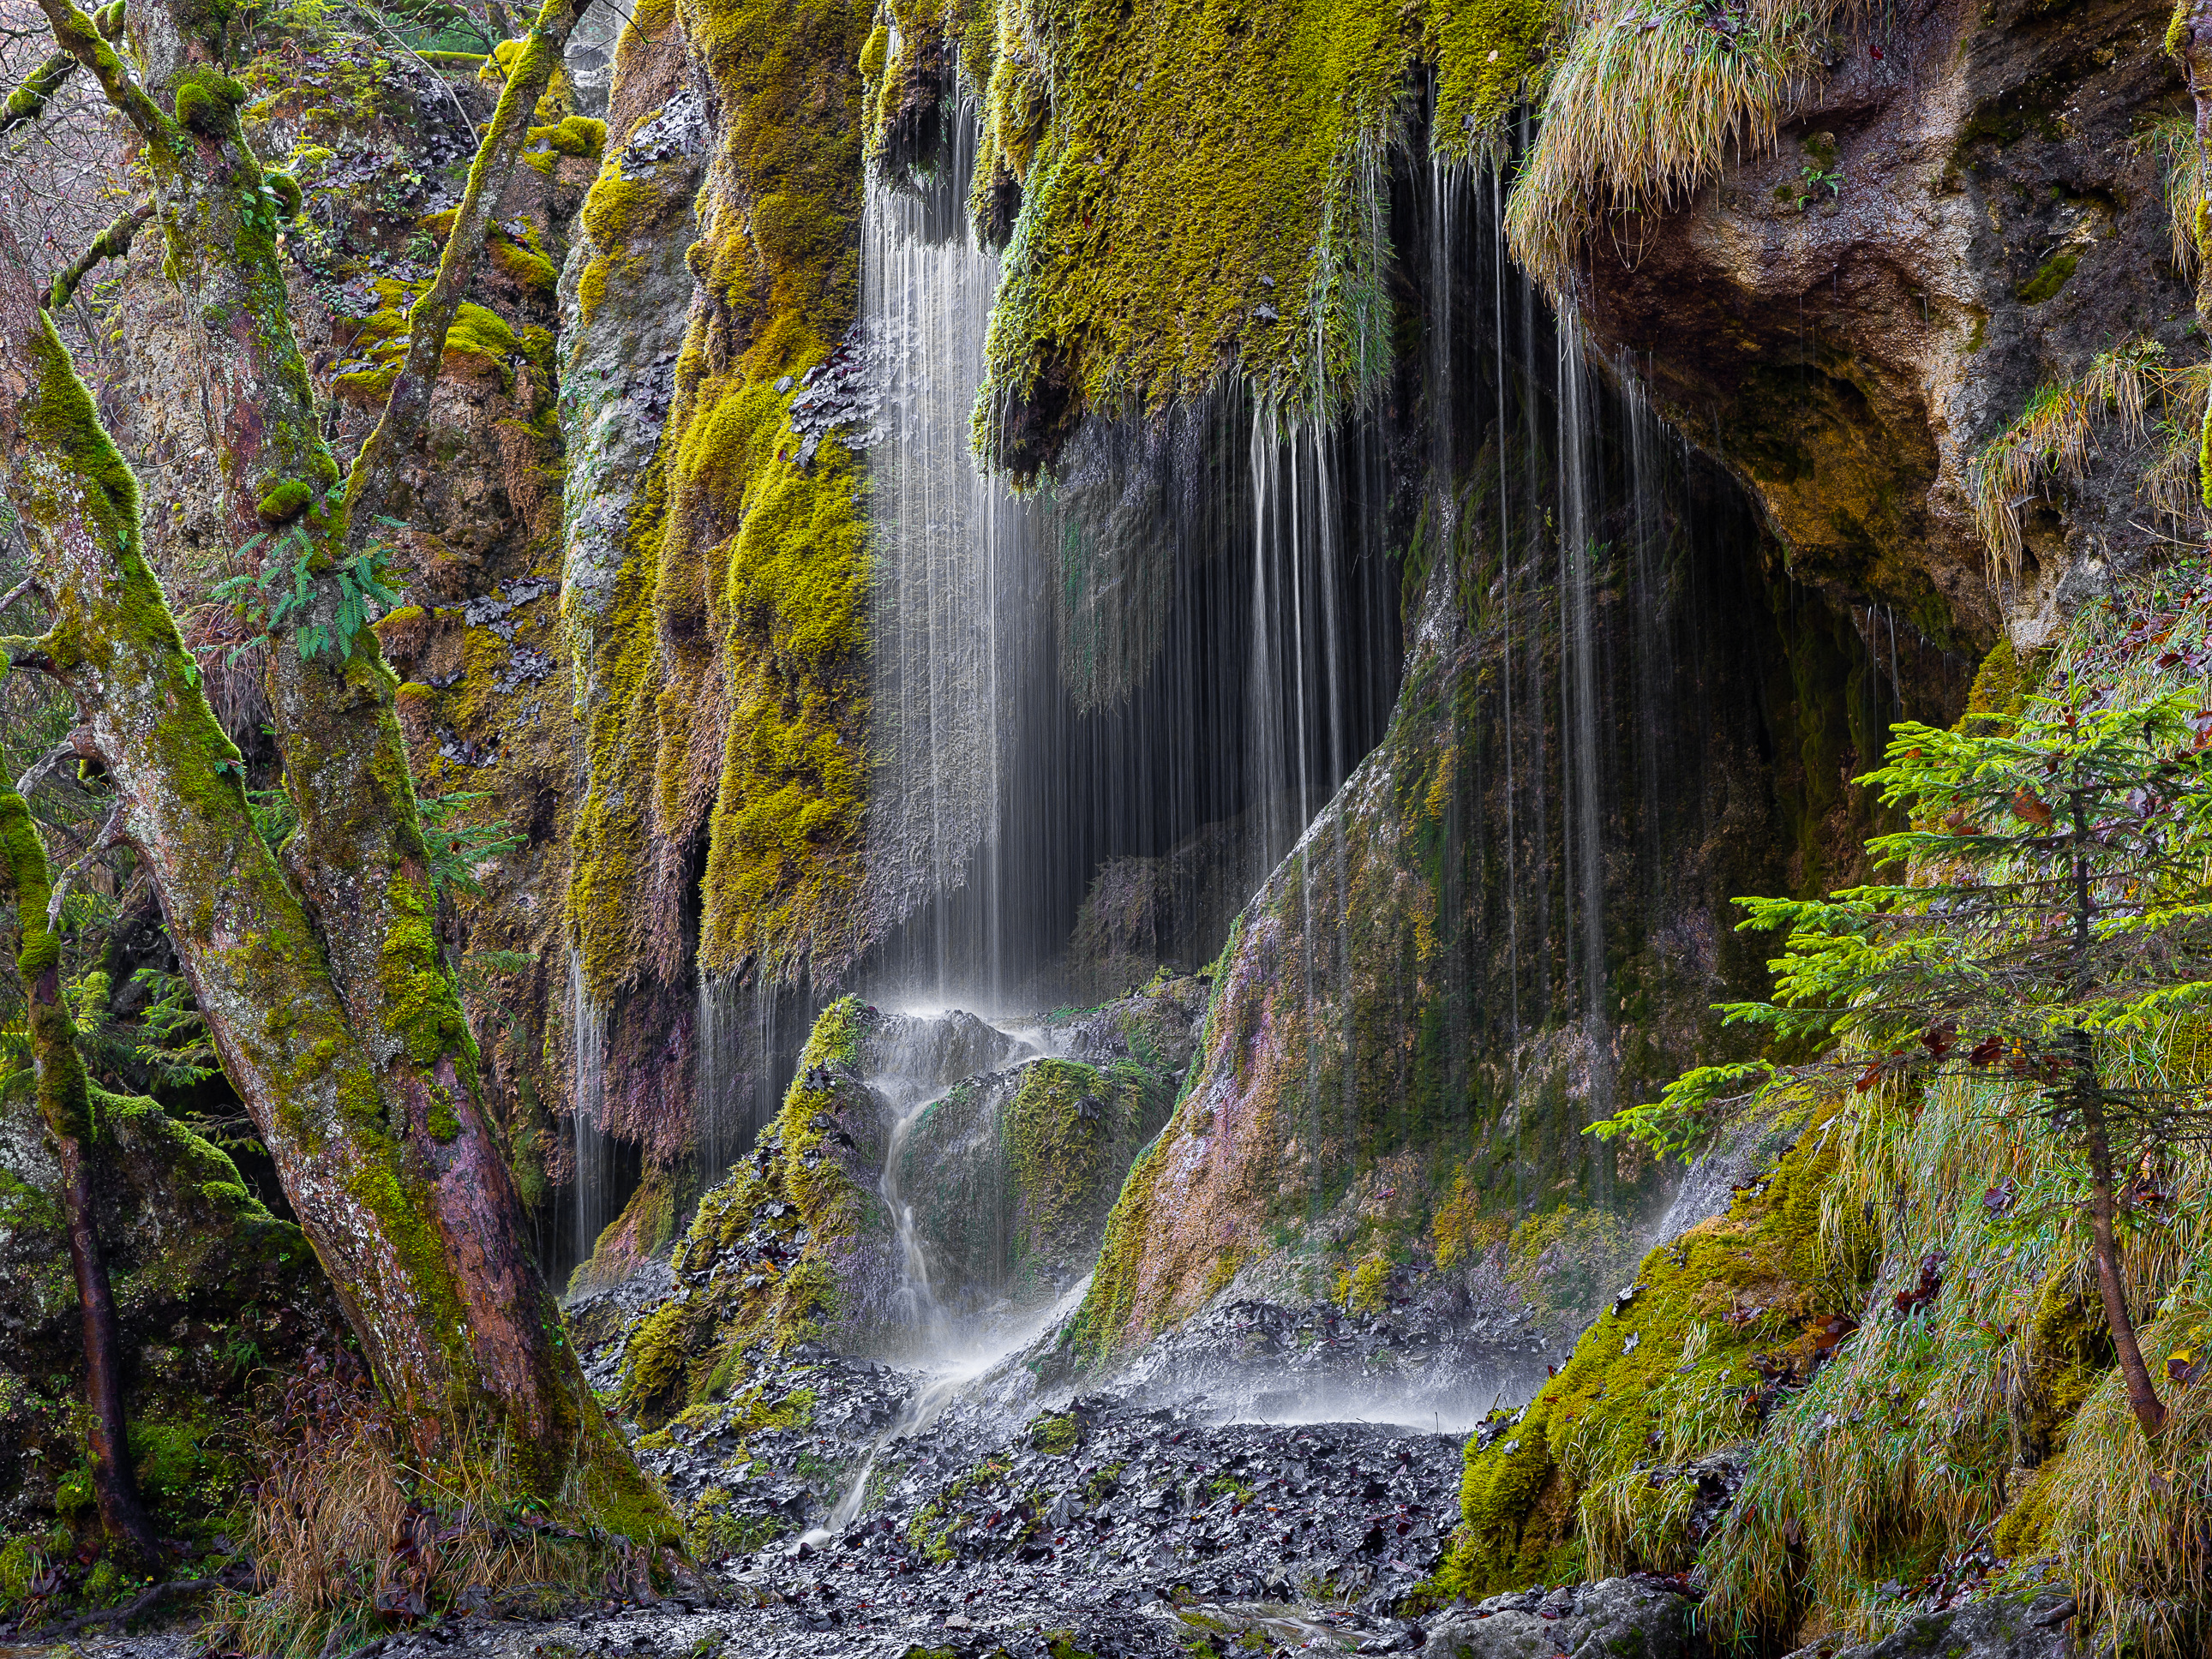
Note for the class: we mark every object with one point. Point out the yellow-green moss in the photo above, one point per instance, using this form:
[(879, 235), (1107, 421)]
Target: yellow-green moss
[(2051, 276), (287, 501), (1675, 1363), (1363, 1287), (1202, 187), (478, 339), (784, 851), (526, 265)]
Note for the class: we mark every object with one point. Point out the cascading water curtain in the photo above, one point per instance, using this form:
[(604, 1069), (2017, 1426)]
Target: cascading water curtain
[(594, 1154), (738, 1027), (952, 625)]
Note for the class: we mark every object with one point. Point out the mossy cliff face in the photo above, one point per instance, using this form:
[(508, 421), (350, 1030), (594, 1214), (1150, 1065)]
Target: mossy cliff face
[(1412, 1024), (1188, 188), (1965, 207), (214, 1296), (716, 561)]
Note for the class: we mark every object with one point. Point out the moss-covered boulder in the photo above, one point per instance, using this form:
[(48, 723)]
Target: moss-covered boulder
[(793, 1245), (217, 1298), (1009, 1177)]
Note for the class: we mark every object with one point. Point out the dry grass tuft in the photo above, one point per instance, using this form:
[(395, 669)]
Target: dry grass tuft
[(2172, 139), (2055, 440), (352, 1534), (1652, 99)]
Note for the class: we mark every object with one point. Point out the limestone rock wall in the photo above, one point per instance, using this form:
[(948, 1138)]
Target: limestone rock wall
[(1966, 208)]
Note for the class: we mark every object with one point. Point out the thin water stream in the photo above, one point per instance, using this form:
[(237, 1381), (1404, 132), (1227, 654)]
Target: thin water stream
[(950, 1352)]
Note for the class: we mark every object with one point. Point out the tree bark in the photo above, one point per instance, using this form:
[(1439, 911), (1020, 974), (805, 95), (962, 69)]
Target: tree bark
[(345, 1039), (64, 1096), (2143, 1396), (483, 1323)]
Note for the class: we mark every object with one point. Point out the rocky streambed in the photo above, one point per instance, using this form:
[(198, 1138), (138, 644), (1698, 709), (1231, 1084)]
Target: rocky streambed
[(1105, 1528)]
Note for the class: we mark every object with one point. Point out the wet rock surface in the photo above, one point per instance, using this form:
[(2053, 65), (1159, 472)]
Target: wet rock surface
[(2000, 1628), (1620, 1618), (987, 1521), (1418, 1361)]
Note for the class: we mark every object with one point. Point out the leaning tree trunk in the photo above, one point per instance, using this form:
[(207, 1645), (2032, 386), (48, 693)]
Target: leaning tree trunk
[(328, 1000), (2089, 1099), (64, 1096)]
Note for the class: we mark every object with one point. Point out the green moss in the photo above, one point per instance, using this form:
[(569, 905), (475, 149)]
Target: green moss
[(1997, 687), (784, 848), (178, 1465), (2051, 276), (1099, 1323), (524, 264), (286, 501), (206, 99), (576, 135), (479, 339), (287, 193), (1676, 1363), (21, 1560), (1196, 187), (1363, 1287), (1057, 1433), (422, 1005)]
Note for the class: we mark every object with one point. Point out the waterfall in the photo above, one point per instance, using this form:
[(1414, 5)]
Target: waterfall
[(917, 1297), (737, 1027), (593, 1152), (1175, 632), (950, 545), (1584, 803)]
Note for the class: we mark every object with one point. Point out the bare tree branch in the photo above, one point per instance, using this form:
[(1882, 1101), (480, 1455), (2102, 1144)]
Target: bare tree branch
[(28, 101), (111, 243), (110, 835), (78, 745)]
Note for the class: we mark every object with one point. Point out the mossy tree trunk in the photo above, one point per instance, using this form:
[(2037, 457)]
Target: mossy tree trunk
[(323, 981), (408, 404), (64, 1096)]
